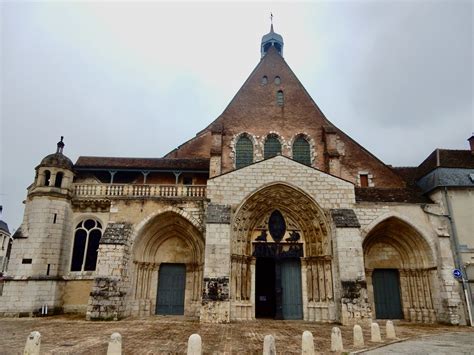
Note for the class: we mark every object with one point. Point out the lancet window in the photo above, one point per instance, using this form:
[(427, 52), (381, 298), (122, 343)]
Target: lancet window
[(86, 244), (302, 151), (243, 152), (272, 147)]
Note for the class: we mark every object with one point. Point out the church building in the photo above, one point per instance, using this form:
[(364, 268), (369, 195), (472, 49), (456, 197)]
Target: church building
[(271, 211)]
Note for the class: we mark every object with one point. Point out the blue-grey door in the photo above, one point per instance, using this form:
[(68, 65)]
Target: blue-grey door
[(387, 294), (171, 286), (291, 289)]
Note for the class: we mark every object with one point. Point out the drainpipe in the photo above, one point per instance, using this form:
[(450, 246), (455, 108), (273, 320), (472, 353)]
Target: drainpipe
[(457, 258)]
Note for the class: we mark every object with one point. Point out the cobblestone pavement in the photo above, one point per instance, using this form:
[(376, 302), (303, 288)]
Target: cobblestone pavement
[(448, 343), (168, 335)]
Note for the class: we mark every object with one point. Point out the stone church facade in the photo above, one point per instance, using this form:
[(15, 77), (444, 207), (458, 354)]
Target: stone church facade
[(270, 211)]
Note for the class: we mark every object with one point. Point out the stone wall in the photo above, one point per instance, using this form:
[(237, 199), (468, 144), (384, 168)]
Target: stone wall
[(328, 191), (111, 283)]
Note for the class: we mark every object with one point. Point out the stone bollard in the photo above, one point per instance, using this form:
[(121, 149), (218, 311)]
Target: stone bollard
[(375, 333), (336, 340), (194, 345), (307, 343), (33, 343), (269, 345), (115, 344), (390, 330), (358, 336)]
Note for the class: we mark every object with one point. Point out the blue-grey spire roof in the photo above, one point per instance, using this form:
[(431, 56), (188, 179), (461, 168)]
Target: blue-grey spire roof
[(272, 39)]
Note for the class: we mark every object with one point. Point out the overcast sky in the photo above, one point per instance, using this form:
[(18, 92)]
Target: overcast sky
[(139, 78)]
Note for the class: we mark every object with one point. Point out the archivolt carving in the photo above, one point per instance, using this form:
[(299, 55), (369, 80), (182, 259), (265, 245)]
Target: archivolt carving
[(167, 238), (303, 218), (393, 244), (299, 210)]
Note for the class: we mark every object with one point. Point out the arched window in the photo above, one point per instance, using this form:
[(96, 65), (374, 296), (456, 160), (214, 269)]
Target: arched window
[(86, 244), (243, 152), (264, 80), (280, 98), (272, 147), (301, 151), (59, 179), (47, 177), (277, 80)]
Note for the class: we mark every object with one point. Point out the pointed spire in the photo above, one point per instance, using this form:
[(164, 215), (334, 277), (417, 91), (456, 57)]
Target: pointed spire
[(271, 39)]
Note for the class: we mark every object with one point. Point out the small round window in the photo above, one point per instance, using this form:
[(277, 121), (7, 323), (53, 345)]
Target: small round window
[(277, 80)]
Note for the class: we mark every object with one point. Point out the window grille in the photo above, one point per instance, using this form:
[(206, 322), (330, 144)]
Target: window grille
[(243, 152), (301, 151), (86, 244), (272, 147)]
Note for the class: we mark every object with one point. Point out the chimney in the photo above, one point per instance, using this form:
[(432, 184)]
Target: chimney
[(471, 143)]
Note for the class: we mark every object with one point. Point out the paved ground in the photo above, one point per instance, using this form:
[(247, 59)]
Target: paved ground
[(448, 343), (168, 335)]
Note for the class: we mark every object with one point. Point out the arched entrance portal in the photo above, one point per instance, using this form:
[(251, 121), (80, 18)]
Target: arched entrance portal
[(168, 261), (400, 272), (281, 257)]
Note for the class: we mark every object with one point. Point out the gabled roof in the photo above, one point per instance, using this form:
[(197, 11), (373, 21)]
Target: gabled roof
[(253, 109), (141, 163)]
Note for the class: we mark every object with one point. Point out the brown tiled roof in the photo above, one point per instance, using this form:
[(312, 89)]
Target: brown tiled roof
[(408, 173), (446, 158), (373, 194), (141, 163)]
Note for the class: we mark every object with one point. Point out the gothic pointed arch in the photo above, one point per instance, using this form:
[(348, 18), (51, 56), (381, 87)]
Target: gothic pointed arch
[(302, 233), (167, 239), (399, 263)]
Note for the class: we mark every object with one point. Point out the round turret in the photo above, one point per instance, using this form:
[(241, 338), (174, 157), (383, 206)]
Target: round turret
[(57, 160), (55, 170)]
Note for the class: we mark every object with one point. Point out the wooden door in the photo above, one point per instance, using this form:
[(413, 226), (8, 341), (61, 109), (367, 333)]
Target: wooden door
[(171, 287), (387, 294), (291, 289)]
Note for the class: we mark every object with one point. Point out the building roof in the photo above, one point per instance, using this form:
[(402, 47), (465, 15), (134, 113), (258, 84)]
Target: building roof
[(446, 158), (4, 227), (272, 36), (58, 160), (107, 163), (404, 195)]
